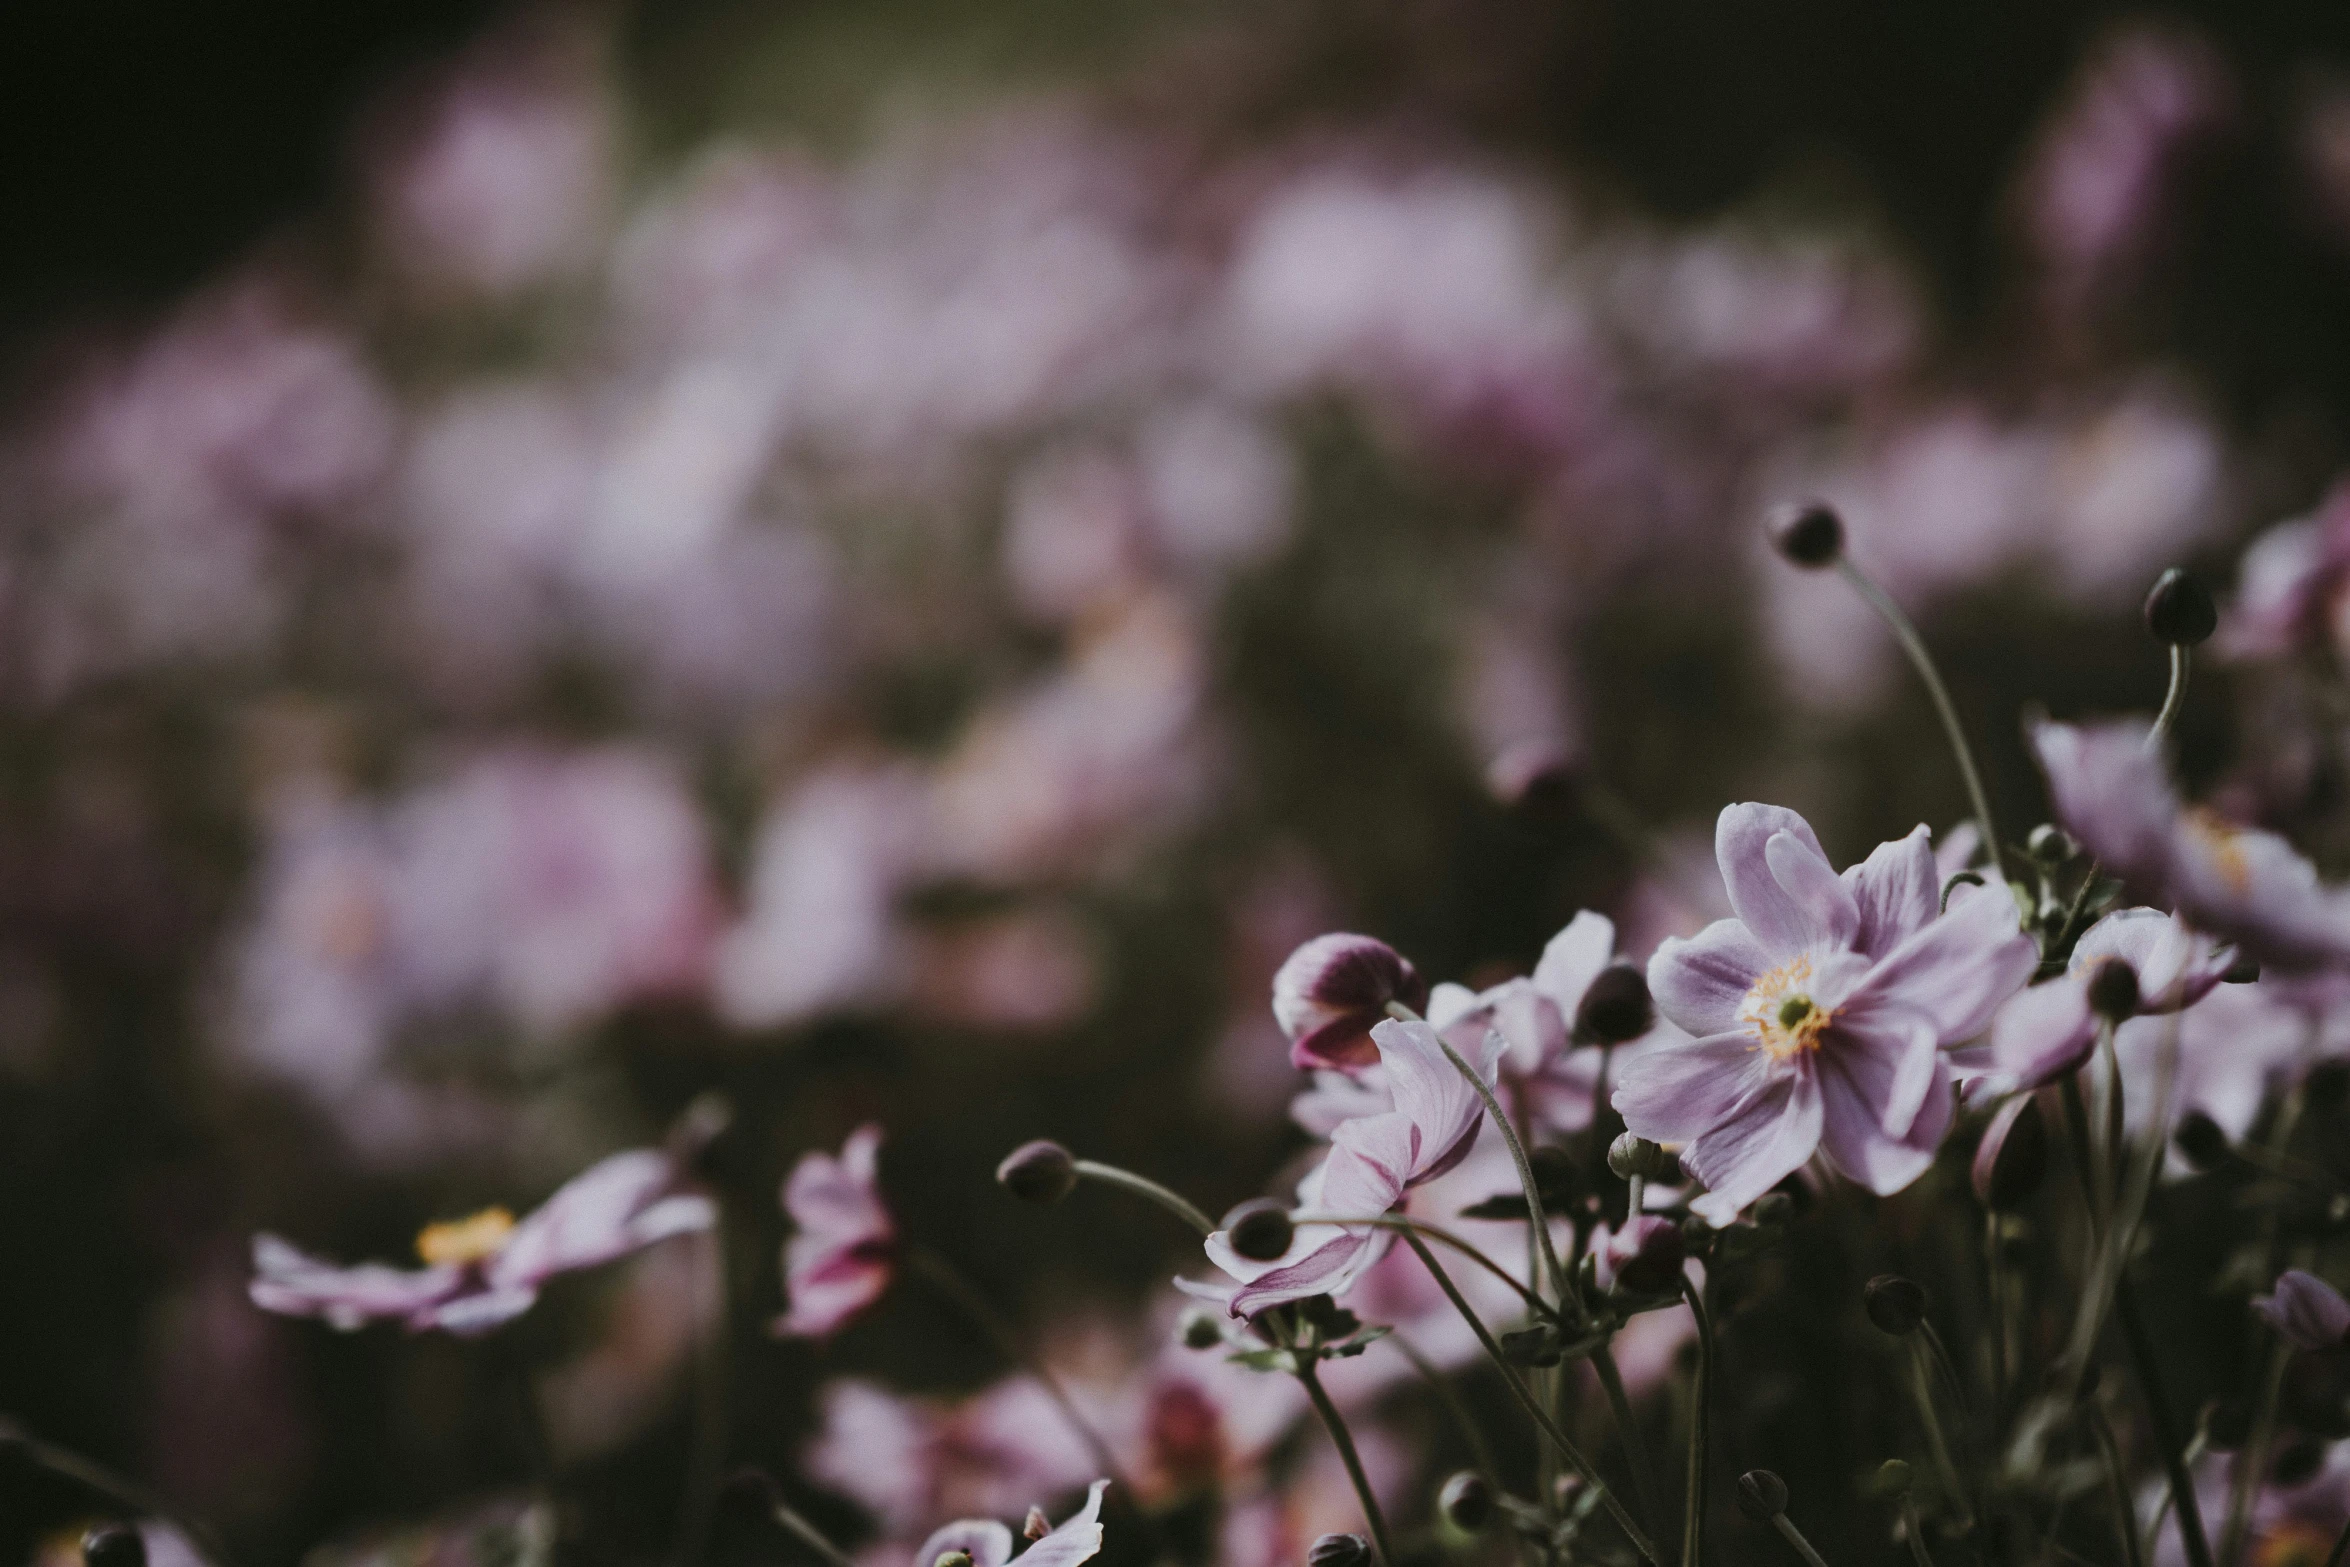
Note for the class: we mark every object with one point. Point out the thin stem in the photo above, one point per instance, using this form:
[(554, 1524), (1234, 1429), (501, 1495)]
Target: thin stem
[(1947, 1367), (1693, 1500), (1341, 1439), (1144, 1187), (1922, 1380), (2085, 1163), (1794, 1537), (1534, 1410), (1644, 1486), (2172, 699), (943, 1277), (2116, 1145), (1480, 1451), (2252, 1462), (2166, 1431), (1914, 1532), (2002, 1319), (2125, 1519), (712, 1320), (799, 1528), (1559, 1286), (1923, 662), (1435, 1232), (2153, 1531)]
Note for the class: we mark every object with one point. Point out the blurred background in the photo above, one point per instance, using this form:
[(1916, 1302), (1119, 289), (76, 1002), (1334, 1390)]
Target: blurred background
[(891, 558)]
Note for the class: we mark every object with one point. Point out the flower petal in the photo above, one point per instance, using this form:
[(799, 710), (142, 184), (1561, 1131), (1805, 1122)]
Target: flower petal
[(1573, 959), (988, 1543), (1676, 1093), (1076, 1538), (2308, 1311), (1960, 967), (1854, 1139), (2112, 794), (1701, 983), (1831, 917), (1782, 925), (1766, 1137), (1442, 1106), (1898, 889), (1888, 1055), (2042, 1034)]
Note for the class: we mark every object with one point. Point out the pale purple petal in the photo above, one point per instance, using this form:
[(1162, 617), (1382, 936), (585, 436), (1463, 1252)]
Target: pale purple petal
[(988, 1542), (1675, 1093), (1443, 1107), (1076, 1538), (1779, 923), (839, 1260), (2042, 1034), (1830, 916), (2308, 1311), (2175, 966), (1961, 966), (476, 1312), (1898, 889), (292, 1283), (1329, 993), (619, 1205), (1338, 1097), (1701, 983), (1368, 1167), (2112, 795), (1765, 1138), (1573, 959), (1859, 1147), (1888, 1055)]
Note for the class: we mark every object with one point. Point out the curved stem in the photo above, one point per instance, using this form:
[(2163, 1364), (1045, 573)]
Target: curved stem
[(1914, 1532), (1644, 1488), (1435, 1232), (2252, 1462), (1559, 1286), (1794, 1537), (1345, 1443), (1533, 1407), (794, 1525), (2125, 1518), (1693, 1502), (1923, 662), (1922, 1379), (1147, 1189), (2171, 699)]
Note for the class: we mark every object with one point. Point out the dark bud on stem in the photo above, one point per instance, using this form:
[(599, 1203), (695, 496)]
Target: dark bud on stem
[(1895, 1304), (2050, 844), (1038, 1172), (2113, 990), (2201, 1141), (1762, 1495), (1260, 1229), (1199, 1329), (1616, 1007), (1466, 1502), (2012, 1159), (1339, 1550), (1631, 1154), (1809, 533), (114, 1545), (2179, 611), (1772, 1210), (1892, 1479)]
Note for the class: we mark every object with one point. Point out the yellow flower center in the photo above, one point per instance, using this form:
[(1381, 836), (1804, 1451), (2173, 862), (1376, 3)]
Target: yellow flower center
[(1782, 1013), (2293, 1544), (2224, 839), (460, 1241)]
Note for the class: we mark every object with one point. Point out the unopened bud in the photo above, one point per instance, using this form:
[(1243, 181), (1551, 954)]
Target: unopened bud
[(1038, 1172), (1893, 1478), (1330, 993), (1466, 1502), (1646, 1255), (2201, 1141), (1616, 1006), (2179, 610), (1809, 533), (1634, 1155), (114, 1545), (1199, 1329), (1772, 1210), (1036, 1525), (2050, 844), (2012, 1159), (1762, 1495), (1895, 1304), (1339, 1550), (2113, 990), (1260, 1230)]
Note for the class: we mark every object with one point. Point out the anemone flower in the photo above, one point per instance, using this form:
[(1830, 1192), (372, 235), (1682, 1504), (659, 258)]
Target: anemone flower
[(1820, 1012), (844, 1253), (1332, 992), (2047, 1031), (1076, 1538), (2237, 883), (488, 1269)]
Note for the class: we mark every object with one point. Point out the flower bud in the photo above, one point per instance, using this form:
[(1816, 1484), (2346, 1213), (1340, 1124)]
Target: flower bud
[(2050, 844), (1762, 1495), (1339, 1550), (1893, 1478), (2179, 611), (1895, 1304), (1533, 777), (1036, 1525), (1772, 1210), (1466, 1502), (1040, 1171), (1199, 1329), (2012, 1159), (2201, 1141), (1333, 991), (2113, 990), (1646, 1255), (114, 1545), (1809, 533), (1616, 1006), (1259, 1229), (1634, 1155)]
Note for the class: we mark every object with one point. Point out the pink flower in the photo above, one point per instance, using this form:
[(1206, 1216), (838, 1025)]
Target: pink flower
[(842, 1258), (1334, 990), (2046, 1032), (2307, 1310), (487, 1269), (1076, 1538)]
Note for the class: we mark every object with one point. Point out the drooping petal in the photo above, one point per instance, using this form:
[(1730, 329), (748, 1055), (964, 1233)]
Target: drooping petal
[(1830, 917), (2308, 1311), (987, 1542), (1076, 1538), (1961, 966), (1443, 1107), (1701, 983), (1330, 991), (1765, 1138), (1856, 1142), (1779, 923), (1573, 959), (1898, 889), (1676, 1093), (839, 1261)]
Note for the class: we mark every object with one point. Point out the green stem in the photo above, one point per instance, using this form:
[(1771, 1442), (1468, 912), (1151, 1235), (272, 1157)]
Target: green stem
[(2253, 1461), (1437, 1233), (1147, 1189), (2125, 1519), (799, 1528), (1693, 1500), (1794, 1537), (1534, 1410), (1345, 1443), (1914, 1532), (1922, 1380), (1644, 1487), (2166, 1431), (1923, 661), (2172, 699), (1480, 1451), (1560, 1288)]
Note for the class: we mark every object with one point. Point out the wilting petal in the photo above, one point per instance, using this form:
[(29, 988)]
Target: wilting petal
[(1076, 1538), (2175, 966), (1675, 1093), (1857, 1144), (2042, 1034), (1830, 916), (1766, 1137), (2308, 1311), (1781, 924), (1701, 983), (1443, 1107), (1573, 959), (988, 1543), (1961, 966), (1887, 1054), (1898, 889)]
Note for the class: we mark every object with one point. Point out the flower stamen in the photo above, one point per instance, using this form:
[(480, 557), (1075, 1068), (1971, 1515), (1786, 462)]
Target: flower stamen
[(1785, 1019), (456, 1242)]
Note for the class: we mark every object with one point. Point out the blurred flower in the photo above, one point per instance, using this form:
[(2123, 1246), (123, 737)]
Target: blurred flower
[(911, 1462), (2289, 593), (1851, 985), (486, 1270), (2308, 1311), (1334, 991), (1075, 1539), (842, 1256)]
